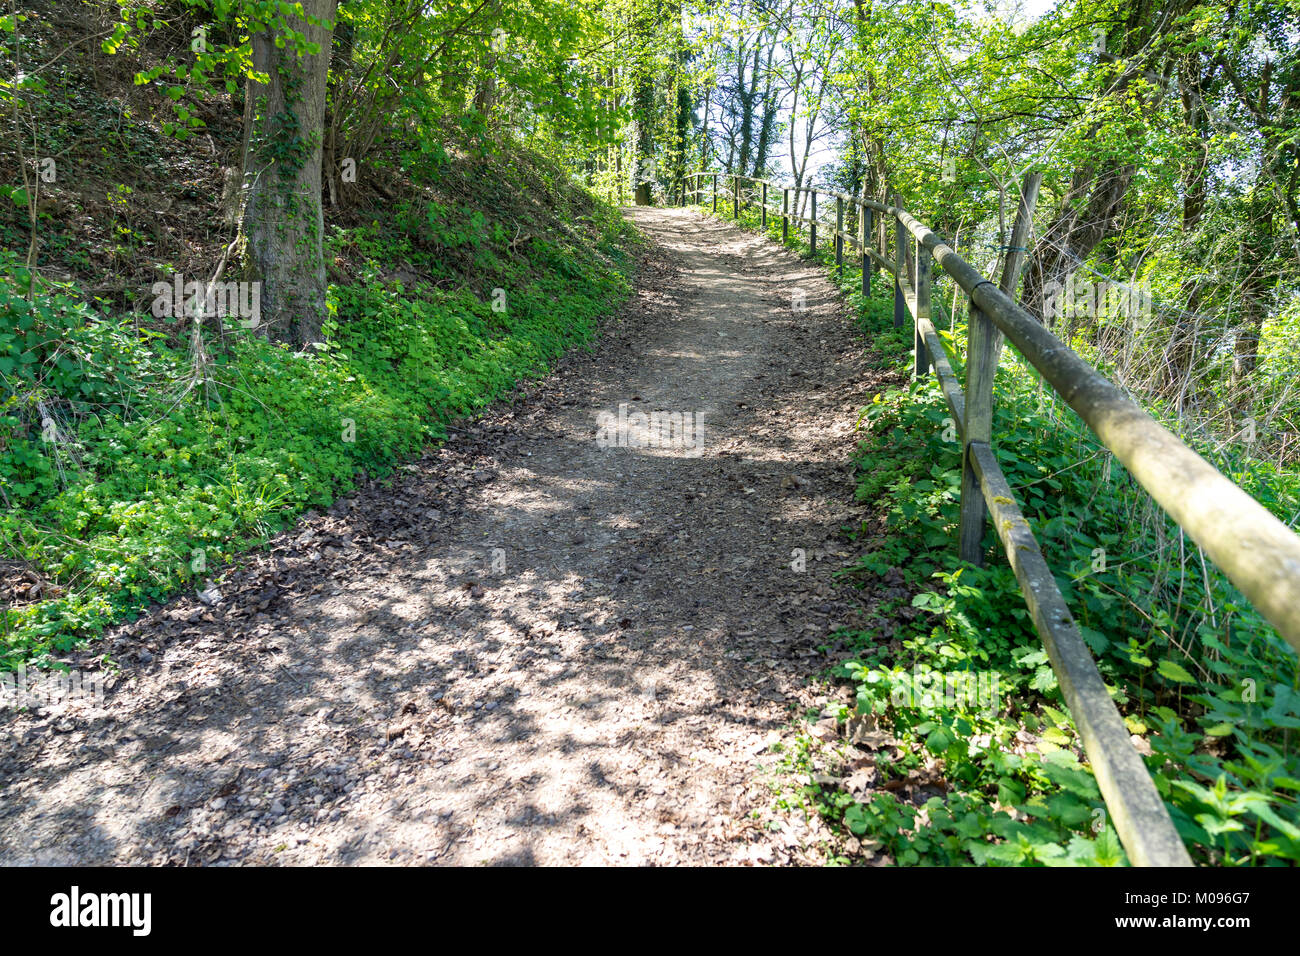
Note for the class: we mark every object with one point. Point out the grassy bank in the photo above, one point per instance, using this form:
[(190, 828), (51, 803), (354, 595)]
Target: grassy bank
[(130, 469)]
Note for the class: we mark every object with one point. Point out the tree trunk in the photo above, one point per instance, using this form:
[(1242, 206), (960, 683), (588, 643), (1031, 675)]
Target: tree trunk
[(767, 126), (1256, 291), (643, 168), (282, 221), (485, 92), (341, 64), (1089, 212), (685, 120), (747, 92), (1180, 352), (1245, 351)]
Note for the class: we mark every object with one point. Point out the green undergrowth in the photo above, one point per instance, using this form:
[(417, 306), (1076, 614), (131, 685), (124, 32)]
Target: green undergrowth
[(954, 675), (125, 477)]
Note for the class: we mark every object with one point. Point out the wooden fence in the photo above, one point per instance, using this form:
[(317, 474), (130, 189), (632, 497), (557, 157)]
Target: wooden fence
[(1258, 553)]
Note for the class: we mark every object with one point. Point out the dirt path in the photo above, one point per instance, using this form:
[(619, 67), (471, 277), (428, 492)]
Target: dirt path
[(527, 648)]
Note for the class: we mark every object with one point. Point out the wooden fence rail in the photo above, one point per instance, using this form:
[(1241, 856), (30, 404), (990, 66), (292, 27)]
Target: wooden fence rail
[(1258, 553)]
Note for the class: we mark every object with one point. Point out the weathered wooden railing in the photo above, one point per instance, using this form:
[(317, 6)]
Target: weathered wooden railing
[(1258, 553)]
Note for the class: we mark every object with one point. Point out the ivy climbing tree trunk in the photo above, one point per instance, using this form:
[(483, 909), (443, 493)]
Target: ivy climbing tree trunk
[(643, 139), (283, 131)]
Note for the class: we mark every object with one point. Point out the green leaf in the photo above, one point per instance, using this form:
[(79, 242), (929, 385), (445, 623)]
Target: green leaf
[(938, 741), (1174, 672), (856, 819)]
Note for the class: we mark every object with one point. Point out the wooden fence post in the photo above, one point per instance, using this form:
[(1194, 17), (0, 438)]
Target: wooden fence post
[(978, 428), (735, 196), (921, 288), (868, 266), (765, 205), (839, 239), (1017, 252), (715, 193), (983, 350), (812, 226), (785, 215), (900, 265)]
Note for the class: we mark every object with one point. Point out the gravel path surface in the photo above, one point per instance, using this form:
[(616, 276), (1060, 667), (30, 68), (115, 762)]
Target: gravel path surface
[(528, 646)]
